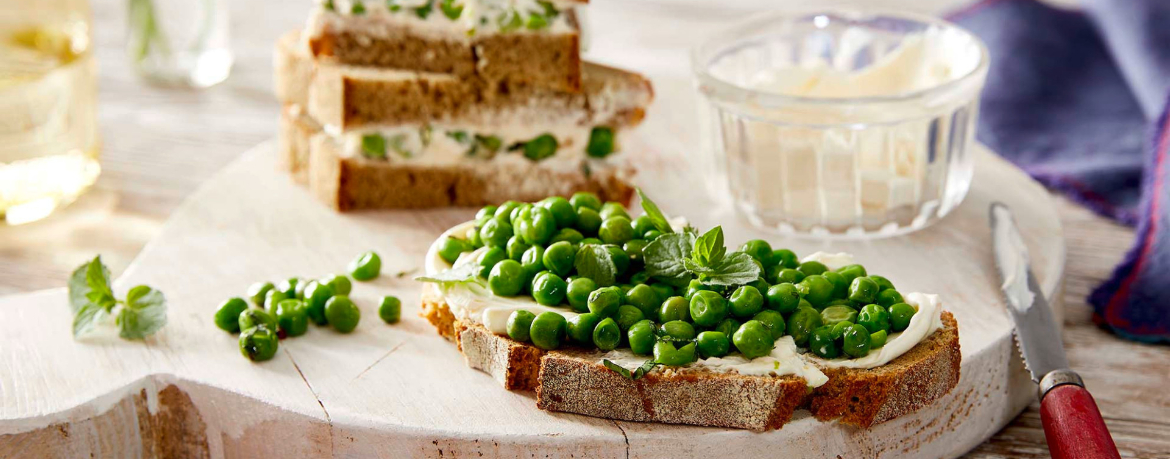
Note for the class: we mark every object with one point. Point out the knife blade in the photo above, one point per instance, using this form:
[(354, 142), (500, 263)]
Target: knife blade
[(1036, 332)]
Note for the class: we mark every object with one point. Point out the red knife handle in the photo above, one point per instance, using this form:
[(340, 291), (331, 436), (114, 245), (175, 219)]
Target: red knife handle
[(1073, 425)]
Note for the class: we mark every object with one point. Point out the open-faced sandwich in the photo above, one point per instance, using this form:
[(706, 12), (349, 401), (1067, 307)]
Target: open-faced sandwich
[(640, 319)]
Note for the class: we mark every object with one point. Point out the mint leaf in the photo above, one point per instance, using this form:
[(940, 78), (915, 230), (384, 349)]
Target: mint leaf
[(664, 257), (737, 268), (79, 288), (595, 262), (617, 369), (645, 368), (636, 374), (655, 214), (86, 317), (463, 273), (709, 247), (144, 314)]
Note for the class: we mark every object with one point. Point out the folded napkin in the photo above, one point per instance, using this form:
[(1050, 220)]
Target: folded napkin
[(1078, 100)]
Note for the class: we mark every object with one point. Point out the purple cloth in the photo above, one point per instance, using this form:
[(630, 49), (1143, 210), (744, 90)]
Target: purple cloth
[(1078, 99)]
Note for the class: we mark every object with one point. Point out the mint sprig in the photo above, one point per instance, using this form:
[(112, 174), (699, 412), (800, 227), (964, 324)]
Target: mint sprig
[(466, 272), (656, 216), (142, 314), (595, 262), (678, 257), (637, 374)]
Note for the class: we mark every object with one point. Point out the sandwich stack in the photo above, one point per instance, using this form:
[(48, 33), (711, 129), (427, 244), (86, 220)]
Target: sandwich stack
[(432, 103)]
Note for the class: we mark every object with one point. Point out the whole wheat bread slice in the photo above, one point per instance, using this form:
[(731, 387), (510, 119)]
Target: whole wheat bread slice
[(293, 142), (573, 381)]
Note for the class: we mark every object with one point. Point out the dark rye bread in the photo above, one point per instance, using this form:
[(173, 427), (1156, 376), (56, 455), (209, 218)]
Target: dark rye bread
[(573, 381), (355, 183), (510, 62)]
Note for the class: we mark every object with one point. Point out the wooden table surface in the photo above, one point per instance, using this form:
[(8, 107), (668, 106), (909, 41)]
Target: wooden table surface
[(160, 144)]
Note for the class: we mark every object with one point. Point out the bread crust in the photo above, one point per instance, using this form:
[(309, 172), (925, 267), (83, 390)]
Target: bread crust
[(572, 380)]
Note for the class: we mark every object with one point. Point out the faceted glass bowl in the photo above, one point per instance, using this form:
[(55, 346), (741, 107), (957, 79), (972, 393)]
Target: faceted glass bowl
[(839, 167)]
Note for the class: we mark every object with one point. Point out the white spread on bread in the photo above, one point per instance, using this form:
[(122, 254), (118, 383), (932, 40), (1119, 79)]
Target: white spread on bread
[(474, 301), (479, 17)]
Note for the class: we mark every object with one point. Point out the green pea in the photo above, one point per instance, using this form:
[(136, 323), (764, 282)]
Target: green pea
[(674, 308), (651, 235), (641, 225), (753, 339), (292, 317), (605, 301), (519, 322), (728, 326), (640, 277), (607, 335), (485, 213), (851, 272), (496, 233), (452, 248), (621, 260), (257, 292), (504, 212), (545, 145), (641, 337), (289, 287), (580, 328), (644, 298), (273, 297), (521, 212), (559, 258), (516, 248), (339, 284), (840, 285), (259, 343), (802, 323), (227, 316), (666, 354), (366, 266), (634, 248), (855, 341), (889, 297), (833, 314), (507, 278), (588, 221), (761, 286), (615, 230), (628, 315), (585, 199), (783, 298), (390, 310), (759, 249), (863, 290), (251, 318), (839, 329), (746, 301), (601, 142), (539, 227), (810, 268), (590, 241), (578, 293), (822, 344), (882, 282), (787, 275), (472, 236), (713, 344), (816, 289), (708, 308), (613, 209), (562, 210), (679, 330), (877, 339), (342, 314), (900, 315), (549, 289), (662, 290), (874, 318), (841, 302), (316, 295), (533, 260), (569, 235), (785, 258), (773, 320), (548, 330)]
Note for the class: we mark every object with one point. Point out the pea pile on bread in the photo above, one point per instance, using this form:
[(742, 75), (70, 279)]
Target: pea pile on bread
[(629, 318), (433, 103)]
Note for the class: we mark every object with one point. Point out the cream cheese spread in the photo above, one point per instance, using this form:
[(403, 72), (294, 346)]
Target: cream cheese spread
[(478, 17), (474, 301)]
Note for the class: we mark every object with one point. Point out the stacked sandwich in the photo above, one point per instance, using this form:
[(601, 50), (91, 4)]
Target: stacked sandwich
[(431, 103)]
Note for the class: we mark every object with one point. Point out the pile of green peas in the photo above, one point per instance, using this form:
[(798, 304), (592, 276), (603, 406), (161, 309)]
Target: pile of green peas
[(529, 249), (286, 308)]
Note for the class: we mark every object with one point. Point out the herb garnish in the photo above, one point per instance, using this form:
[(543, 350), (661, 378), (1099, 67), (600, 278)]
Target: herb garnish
[(638, 373), (677, 257), (595, 262), (141, 314)]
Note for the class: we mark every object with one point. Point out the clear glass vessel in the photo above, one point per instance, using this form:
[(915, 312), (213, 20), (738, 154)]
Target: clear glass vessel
[(180, 42), (48, 126), (849, 124)]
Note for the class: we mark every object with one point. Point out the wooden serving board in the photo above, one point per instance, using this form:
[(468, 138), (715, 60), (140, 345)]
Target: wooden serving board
[(399, 391)]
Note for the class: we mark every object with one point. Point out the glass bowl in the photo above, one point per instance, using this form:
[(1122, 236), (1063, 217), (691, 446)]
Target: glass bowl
[(844, 123)]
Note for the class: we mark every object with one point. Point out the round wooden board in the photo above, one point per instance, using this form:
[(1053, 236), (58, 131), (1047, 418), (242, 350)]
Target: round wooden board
[(398, 391)]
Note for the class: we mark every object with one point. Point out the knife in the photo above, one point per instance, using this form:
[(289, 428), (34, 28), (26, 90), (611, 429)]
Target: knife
[(1072, 423)]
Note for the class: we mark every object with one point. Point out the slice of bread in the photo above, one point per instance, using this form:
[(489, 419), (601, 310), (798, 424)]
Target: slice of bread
[(510, 62), (574, 381), (293, 142)]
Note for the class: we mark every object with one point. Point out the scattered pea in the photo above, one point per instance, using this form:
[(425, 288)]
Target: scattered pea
[(366, 266), (259, 343), (342, 314), (227, 316), (390, 310)]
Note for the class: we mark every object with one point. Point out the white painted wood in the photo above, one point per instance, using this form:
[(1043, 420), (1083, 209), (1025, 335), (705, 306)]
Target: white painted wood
[(395, 391)]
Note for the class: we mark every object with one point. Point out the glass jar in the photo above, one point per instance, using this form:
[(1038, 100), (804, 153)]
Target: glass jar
[(849, 124), (180, 42)]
